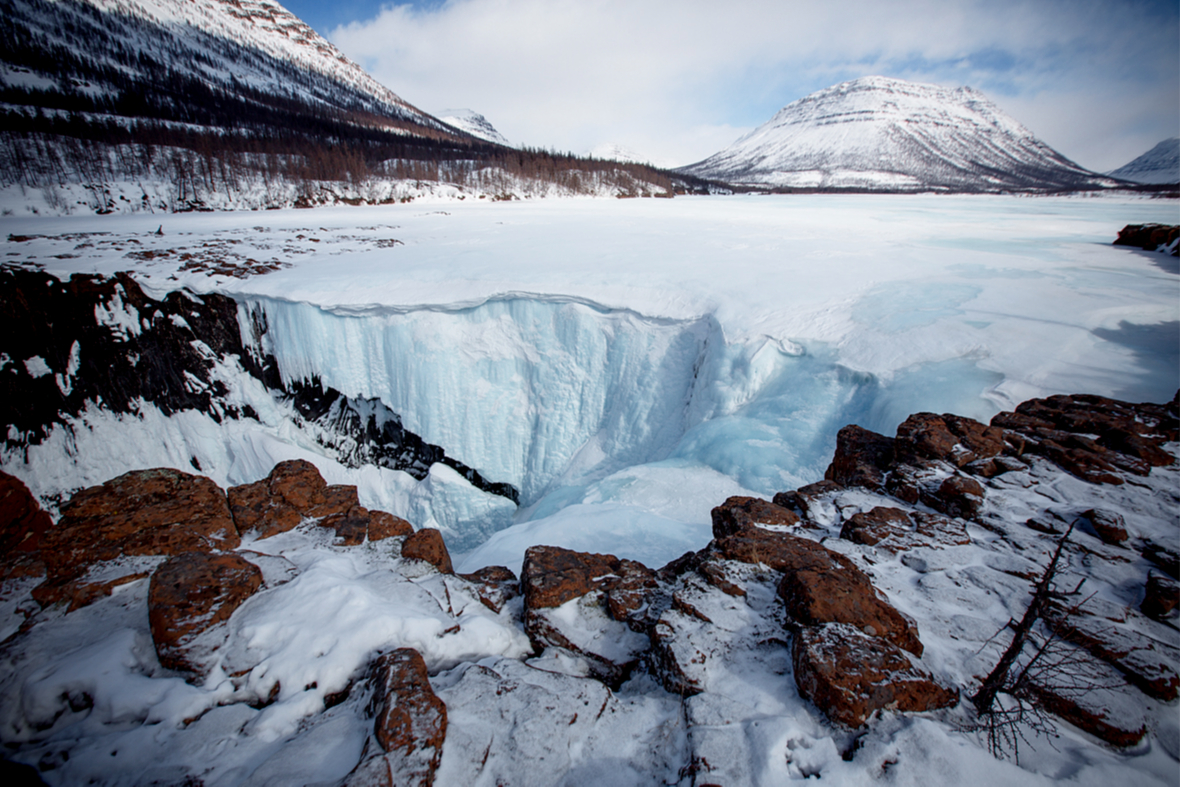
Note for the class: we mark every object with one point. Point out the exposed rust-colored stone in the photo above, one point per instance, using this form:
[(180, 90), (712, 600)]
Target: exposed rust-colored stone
[(410, 720), (861, 458), (739, 513), (293, 491), (383, 525), (427, 544), (495, 585), (144, 512), (189, 595), (850, 675)]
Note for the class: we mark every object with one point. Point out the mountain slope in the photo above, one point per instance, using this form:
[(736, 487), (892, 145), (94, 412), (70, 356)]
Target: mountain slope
[(892, 135), (215, 63), (1161, 164)]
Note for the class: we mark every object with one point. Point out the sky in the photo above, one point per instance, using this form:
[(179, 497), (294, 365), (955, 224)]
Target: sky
[(678, 80)]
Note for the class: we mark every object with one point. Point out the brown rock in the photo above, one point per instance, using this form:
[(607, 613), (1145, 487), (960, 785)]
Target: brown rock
[(427, 544), (351, 527), (383, 526), (817, 597), (850, 675), (926, 435), (1109, 525), (958, 495), (496, 585), (819, 585), (1160, 597), (781, 552), (551, 576), (411, 721), (951, 438), (1129, 436), (861, 458), (801, 499), (22, 521), (739, 513), (144, 512), (293, 491), (875, 526), (189, 595), (76, 593)]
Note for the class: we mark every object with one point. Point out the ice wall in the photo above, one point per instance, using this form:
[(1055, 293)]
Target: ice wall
[(530, 391)]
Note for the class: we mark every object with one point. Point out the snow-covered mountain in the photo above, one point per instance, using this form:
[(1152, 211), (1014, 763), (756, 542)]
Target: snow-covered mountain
[(892, 135), (1161, 164), (133, 58), (473, 123)]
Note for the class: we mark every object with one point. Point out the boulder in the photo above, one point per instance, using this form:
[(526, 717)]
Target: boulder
[(383, 526), (958, 495), (293, 491), (861, 458), (495, 585), (1109, 525), (895, 530), (1144, 651), (144, 512), (189, 595), (819, 585), (815, 597), (739, 513), (1091, 696), (410, 724), (427, 544), (873, 527), (551, 576), (1160, 596), (850, 675)]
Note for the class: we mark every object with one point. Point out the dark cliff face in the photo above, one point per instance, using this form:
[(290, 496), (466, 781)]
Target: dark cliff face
[(96, 341), (104, 341)]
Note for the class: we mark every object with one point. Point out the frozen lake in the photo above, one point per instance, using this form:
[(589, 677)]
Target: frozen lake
[(628, 364)]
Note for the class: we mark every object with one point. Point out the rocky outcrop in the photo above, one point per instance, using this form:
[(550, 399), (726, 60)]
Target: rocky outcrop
[(851, 675), (191, 594), (1150, 237), (295, 492), (593, 606), (143, 513)]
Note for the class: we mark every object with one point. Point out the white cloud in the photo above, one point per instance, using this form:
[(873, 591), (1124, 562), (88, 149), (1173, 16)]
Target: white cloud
[(679, 79)]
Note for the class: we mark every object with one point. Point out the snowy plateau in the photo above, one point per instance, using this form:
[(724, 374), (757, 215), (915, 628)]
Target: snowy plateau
[(612, 370)]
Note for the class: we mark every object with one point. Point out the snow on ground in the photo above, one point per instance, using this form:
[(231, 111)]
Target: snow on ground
[(584, 349), (635, 361)]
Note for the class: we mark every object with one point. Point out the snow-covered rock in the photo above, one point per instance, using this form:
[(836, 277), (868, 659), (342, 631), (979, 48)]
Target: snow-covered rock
[(883, 134), (1161, 164)]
